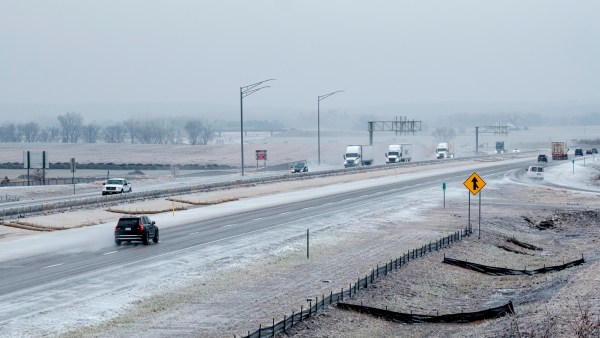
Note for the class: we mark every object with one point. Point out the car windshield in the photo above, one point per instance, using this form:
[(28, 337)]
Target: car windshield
[(298, 165), (114, 182)]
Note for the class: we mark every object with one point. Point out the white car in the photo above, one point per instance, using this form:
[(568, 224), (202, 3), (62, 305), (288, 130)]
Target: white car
[(116, 186), (535, 172)]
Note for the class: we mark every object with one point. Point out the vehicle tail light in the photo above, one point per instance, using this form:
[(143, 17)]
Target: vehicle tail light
[(116, 228), (141, 226)]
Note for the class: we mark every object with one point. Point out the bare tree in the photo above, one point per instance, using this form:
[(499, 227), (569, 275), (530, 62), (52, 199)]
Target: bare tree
[(193, 129), (9, 133), (91, 132), (208, 133), (29, 131), (172, 131), (53, 134), (132, 128), (444, 134), (115, 134), (43, 136), (71, 125), (152, 132)]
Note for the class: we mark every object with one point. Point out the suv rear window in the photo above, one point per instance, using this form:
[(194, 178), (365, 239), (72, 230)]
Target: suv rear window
[(129, 221)]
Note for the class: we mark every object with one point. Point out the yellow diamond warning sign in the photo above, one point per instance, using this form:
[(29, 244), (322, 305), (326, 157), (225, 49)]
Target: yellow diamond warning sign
[(474, 183)]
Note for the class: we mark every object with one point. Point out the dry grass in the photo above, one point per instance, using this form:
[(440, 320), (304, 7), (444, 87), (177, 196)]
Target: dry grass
[(212, 202), (146, 211)]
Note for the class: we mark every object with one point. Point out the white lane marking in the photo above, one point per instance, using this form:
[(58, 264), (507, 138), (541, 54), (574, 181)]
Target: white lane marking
[(108, 253), (51, 266), (193, 233)]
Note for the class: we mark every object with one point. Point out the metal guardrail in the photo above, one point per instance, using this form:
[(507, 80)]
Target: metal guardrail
[(165, 192)]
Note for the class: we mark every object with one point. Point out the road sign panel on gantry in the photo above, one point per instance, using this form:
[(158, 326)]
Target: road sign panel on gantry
[(474, 183)]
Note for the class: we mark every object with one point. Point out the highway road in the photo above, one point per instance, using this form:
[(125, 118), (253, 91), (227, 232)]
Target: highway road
[(50, 279)]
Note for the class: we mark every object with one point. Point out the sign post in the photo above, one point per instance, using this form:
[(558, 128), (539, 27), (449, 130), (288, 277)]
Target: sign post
[(73, 172), (35, 160), (444, 188), (475, 183), (261, 155)]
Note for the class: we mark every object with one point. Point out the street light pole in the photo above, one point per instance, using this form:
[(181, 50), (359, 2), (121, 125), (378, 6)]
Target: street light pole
[(319, 99), (245, 91)]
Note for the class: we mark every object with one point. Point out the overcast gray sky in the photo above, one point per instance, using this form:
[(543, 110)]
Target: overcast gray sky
[(379, 52)]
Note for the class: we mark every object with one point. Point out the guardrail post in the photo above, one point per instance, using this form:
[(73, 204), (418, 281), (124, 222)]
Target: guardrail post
[(273, 328)]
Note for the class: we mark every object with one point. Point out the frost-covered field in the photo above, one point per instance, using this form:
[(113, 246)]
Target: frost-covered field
[(235, 286)]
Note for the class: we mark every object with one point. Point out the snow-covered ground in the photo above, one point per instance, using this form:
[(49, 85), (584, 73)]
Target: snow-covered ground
[(208, 270)]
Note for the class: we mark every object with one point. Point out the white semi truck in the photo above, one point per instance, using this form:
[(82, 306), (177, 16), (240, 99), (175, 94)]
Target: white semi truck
[(398, 153), (358, 155), (444, 150)]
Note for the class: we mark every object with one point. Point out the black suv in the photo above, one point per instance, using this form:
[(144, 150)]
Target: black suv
[(578, 152), (136, 228), (542, 158)]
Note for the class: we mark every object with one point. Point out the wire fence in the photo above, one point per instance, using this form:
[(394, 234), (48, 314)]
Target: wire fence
[(326, 301), (9, 198)]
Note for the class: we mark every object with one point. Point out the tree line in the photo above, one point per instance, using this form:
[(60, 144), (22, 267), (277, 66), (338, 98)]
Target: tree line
[(73, 129)]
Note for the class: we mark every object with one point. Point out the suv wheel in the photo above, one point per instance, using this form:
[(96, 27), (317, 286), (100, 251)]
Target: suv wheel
[(146, 238), (117, 242), (155, 239)]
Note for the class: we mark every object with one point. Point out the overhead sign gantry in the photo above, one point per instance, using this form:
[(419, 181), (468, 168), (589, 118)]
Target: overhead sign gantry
[(401, 126), (496, 130)]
